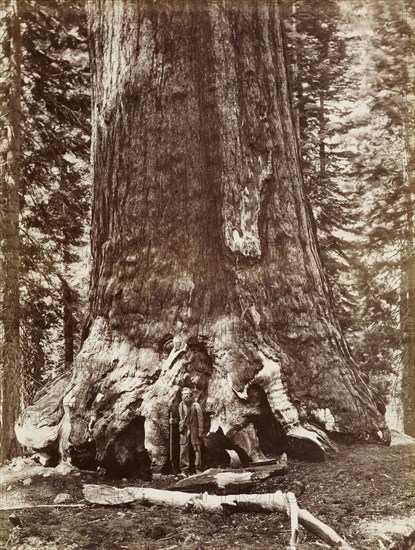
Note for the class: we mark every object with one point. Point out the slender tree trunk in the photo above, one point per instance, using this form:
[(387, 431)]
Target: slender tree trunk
[(37, 361), (321, 144), (324, 55), (295, 81), (10, 373), (68, 323), (408, 374), (205, 266), (408, 380), (398, 394)]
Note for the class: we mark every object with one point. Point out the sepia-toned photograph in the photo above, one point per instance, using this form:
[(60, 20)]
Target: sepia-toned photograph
[(207, 274)]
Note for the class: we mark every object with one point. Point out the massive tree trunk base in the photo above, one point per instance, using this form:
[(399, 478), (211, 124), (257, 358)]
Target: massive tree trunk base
[(259, 503), (206, 271), (130, 392)]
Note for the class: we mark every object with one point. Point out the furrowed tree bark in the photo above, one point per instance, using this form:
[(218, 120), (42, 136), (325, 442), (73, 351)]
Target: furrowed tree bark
[(205, 268), (10, 369)]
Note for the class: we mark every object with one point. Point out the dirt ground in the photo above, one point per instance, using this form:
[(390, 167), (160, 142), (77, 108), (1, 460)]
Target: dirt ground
[(365, 492)]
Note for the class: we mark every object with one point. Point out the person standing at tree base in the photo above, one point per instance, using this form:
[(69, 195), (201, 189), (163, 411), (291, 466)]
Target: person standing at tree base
[(191, 431)]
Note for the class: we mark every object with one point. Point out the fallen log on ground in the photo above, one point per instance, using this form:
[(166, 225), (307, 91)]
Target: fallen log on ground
[(229, 481), (249, 503)]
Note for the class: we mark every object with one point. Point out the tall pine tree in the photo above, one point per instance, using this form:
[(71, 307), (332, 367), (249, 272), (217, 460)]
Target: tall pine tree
[(10, 366)]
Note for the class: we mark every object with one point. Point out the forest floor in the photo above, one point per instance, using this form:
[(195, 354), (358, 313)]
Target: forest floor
[(365, 492)]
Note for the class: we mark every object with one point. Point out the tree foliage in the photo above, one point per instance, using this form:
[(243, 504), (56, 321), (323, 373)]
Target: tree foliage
[(55, 182), (353, 79), (381, 134), (317, 50)]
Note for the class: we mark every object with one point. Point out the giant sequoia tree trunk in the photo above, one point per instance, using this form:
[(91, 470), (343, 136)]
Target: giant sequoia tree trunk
[(205, 266), (10, 370)]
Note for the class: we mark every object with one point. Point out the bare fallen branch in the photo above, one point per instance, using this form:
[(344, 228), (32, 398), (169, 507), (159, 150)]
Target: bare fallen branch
[(293, 513), (254, 503)]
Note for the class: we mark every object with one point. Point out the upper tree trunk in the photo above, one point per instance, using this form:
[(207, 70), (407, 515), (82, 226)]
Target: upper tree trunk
[(10, 372), (205, 266)]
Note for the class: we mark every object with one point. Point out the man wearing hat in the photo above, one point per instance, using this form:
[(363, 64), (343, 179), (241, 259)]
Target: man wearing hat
[(191, 431)]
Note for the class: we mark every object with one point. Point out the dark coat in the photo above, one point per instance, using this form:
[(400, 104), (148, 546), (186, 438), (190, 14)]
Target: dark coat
[(190, 423)]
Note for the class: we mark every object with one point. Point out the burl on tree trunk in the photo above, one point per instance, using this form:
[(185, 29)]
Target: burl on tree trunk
[(206, 271)]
